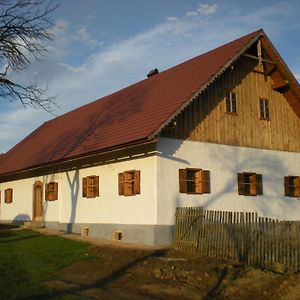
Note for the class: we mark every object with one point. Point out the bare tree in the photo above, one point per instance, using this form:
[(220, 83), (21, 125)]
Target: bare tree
[(24, 29)]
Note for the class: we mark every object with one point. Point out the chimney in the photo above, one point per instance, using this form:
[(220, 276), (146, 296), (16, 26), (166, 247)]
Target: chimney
[(152, 72)]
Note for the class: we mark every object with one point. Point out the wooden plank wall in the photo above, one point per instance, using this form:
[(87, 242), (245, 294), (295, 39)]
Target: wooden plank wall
[(205, 118), (239, 236)]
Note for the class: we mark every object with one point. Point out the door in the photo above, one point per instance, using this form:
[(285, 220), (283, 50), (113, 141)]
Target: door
[(37, 202)]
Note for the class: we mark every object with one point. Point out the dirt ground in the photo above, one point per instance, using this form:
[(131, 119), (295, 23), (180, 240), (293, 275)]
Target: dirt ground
[(123, 273)]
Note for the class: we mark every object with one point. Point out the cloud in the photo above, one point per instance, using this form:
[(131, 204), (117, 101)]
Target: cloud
[(207, 9), (84, 37), (204, 10), (172, 19)]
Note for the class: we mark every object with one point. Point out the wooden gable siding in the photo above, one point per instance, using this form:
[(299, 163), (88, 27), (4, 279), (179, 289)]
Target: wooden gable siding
[(205, 118)]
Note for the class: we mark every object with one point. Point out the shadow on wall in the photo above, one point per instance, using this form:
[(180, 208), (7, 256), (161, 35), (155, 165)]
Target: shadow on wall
[(74, 191), (21, 218)]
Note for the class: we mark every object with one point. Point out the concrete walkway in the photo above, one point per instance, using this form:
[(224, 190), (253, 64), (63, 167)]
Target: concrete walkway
[(96, 241)]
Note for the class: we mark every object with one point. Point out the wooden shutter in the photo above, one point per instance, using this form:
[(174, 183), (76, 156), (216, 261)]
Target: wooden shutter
[(137, 180), (47, 192), (55, 192), (205, 181), (287, 190), (241, 183), (51, 191), (182, 181), (96, 186), (84, 187), (253, 184), (297, 186), (121, 183), (259, 184), (8, 195)]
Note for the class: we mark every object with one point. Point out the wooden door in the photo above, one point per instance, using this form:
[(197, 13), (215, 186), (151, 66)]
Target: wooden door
[(38, 202)]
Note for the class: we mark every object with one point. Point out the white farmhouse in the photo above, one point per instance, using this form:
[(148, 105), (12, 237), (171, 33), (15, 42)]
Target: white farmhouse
[(221, 131)]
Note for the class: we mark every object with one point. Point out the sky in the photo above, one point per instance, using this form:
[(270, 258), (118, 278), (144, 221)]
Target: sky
[(101, 46)]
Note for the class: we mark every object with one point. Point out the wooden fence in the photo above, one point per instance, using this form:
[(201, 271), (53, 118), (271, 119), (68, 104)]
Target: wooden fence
[(240, 236)]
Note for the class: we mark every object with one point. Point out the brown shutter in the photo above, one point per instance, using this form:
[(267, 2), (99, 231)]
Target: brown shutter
[(96, 186), (205, 181), (253, 184), (55, 193), (137, 182), (84, 187), (297, 186), (182, 181), (8, 195), (121, 183), (241, 183), (47, 192), (287, 190), (259, 184)]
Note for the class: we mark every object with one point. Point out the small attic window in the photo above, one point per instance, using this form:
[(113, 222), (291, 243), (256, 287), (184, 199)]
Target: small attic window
[(152, 72)]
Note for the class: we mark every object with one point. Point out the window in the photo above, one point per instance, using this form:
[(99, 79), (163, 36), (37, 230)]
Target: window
[(129, 183), (292, 186), (250, 184), (231, 102), (194, 181), (51, 192), (8, 196), (90, 186), (264, 113)]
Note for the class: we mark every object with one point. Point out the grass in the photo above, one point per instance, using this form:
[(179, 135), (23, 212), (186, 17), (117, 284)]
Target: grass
[(27, 259)]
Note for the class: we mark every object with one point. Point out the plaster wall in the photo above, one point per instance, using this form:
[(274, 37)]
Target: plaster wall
[(71, 207), (224, 162)]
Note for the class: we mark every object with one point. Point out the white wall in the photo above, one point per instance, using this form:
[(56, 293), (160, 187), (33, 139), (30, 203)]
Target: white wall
[(109, 207), (21, 207), (224, 162)]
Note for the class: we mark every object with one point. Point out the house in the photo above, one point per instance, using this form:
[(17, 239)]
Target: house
[(221, 130)]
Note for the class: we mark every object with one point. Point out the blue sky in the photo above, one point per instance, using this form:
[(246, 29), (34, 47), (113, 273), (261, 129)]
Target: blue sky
[(101, 46)]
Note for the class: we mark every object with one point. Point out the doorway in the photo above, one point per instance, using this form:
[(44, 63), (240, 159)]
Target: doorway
[(37, 215)]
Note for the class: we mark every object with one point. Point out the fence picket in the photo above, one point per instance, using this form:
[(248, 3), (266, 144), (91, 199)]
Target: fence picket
[(240, 236)]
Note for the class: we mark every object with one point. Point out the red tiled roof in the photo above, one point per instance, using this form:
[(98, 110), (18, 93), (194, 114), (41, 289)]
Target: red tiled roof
[(129, 115)]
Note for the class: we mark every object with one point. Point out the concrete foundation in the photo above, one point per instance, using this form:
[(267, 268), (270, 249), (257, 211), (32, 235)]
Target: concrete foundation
[(153, 235)]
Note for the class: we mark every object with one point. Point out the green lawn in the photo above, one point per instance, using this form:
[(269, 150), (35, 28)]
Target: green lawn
[(28, 258)]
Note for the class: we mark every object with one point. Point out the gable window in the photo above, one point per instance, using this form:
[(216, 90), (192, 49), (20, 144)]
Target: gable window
[(230, 102), (51, 191), (129, 183), (292, 186), (8, 196), (264, 112), (90, 186), (194, 181), (250, 184)]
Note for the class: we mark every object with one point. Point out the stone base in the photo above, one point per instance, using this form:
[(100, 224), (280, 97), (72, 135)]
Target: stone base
[(153, 235)]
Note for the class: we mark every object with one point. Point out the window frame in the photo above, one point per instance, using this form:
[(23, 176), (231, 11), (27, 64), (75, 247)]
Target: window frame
[(292, 186), (90, 186), (129, 183), (194, 181), (230, 103), (51, 191), (250, 184), (264, 109)]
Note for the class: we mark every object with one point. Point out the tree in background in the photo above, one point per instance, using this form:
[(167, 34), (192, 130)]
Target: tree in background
[(24, 29)]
